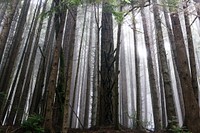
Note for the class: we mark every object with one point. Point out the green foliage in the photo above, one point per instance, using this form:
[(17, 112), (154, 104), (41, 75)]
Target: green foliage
[(119, 16), (111, 6), (33, 124), (73, 2), (174, 128), (61, 7), (172, 4), (127, 1), (112, 1), (93, 1), (177, 129)]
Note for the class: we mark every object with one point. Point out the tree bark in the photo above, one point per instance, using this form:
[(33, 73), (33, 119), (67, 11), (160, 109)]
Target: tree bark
[(78, 66), (21, 90), (169, 97), (116, 77), (3, 7), (191, 53), (191, 105), (12, 6), (40, 80), (48, 119), (30, 69), (70, 37), (95, 101), (89, 78), (16, 43), (152, 81), (107, 67), (174, 57)]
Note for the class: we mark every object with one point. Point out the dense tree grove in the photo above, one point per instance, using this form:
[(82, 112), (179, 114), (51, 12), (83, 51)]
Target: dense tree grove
[(67, 64)]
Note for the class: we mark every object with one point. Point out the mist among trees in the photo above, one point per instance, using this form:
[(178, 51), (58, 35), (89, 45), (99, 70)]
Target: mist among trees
[(89, 65)]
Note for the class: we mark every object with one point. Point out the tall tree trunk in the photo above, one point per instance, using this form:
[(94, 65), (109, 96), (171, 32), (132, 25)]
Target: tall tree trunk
[(169, 97), (89, 78), (16, 43), (137, 74), (7, 24), (30, 69), (83, 91), (21, 93), (116, 77), (152, 81), (59, 100), (48, 63), (95, 101), (7, 103), (21, 73), (123, 86), (40, 84), (191, 105), (48, 119), (69, 45), (97, 46), (78, 66), (174, 57), (191, 52), (107, 67)]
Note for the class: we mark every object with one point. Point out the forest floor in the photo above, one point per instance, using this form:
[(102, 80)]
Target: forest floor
[(11, 129), (111, 130)]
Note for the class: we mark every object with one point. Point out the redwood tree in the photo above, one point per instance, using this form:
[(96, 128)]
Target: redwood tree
[(190, 102), (107, 66)]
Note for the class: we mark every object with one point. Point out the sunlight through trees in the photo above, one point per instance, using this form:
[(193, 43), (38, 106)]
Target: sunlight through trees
[(95, 64)]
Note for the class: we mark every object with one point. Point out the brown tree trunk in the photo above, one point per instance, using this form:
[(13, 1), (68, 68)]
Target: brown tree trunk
[(21, 73), (40, 84), (107, 67), (191, 105), (78, 66), (48, 63), (152, 80), (48, 119), (174, 57), (116, 77), (169, 97), (191, 53), (59, 100), (7, 24), (8, 69), (30, 69), (68, 45)]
